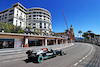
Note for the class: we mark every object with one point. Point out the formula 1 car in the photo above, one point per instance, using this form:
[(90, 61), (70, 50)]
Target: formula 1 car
[(42, 54)]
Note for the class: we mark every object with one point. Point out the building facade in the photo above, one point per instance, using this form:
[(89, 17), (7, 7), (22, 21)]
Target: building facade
[(16, 15), (39, 19)]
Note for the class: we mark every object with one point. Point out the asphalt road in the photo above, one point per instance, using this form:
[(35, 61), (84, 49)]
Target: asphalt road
[(73, 58)]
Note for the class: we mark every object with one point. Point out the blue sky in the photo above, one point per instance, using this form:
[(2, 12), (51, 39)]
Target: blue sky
[(81, 14)]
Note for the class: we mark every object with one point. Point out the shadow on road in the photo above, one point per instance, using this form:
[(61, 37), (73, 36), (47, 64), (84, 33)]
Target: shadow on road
[(33, 61), (28, 61)]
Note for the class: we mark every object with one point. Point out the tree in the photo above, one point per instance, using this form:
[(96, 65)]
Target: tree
[(89, 31), (28, 28), (85, 34), (38, 32), (92, 35), (80, 32), (89, 35), (20, 30), (34, 32), (10, 28)]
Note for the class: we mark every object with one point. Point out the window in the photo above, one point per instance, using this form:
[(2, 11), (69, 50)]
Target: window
[(11, 10), (21, 16), (34, 15), (34, 12), (29, 12), (17, 11), (44, 27), (29, 24), (17, 14), (33, 18), (40, 12), (30, 16), (5, 14), (40, 23), (40, 26), (5, 17), (34, 27), (21, 13), (10, 13), (44, 23), (48, 15), (43, 13), (20, 23), (24, 18), (33, 23)]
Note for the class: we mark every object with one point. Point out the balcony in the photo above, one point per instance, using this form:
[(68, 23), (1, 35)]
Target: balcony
[(11, 16)]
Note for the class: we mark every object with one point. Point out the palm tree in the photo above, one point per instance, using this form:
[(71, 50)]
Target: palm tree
[(89, 31), (80, 32)]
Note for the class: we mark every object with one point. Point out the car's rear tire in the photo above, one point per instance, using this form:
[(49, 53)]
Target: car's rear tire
[(29, 58), (40, 59)]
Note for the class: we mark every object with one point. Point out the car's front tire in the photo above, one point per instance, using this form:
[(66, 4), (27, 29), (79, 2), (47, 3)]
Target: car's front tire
[(62, 53)]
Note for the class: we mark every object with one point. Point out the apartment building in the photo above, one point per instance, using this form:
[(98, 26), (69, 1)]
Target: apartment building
[(16, 15), (39, 18), (36, 18)]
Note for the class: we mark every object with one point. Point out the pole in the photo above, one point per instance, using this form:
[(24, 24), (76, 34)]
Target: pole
[(67, 25)]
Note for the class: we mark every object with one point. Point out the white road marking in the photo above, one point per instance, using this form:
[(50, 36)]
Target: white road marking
[(85, 56), (80, 61), (75, 64)]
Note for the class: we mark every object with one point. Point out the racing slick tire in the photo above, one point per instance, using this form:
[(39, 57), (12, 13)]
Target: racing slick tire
[(39, 58), (62, 53)]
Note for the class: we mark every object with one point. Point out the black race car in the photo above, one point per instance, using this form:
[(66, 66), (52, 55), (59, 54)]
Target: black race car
[(43, 54)]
